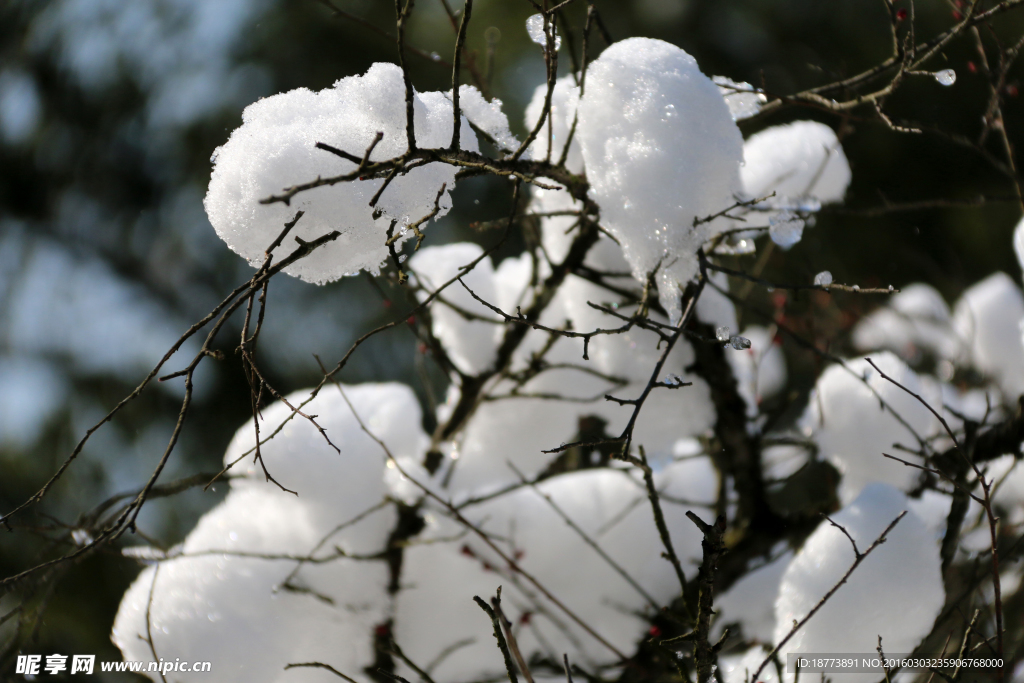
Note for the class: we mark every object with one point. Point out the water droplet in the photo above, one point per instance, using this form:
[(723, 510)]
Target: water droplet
[(436, 57), (856, 288), (670, 111), (722, 334), (786, 229), (81, 537), (824, 278), (535, 28), (945, 77), (739, 343), (891, 288), (672, 379), (945, 370), (809, 205)]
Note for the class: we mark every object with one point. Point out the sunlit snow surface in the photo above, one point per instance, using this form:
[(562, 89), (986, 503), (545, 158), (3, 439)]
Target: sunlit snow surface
[(896, 593), (660, 149), (275, 148)]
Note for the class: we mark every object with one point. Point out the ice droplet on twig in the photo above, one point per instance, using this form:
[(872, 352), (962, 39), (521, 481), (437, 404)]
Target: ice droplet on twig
[(81, 537), (535, 27), (786, 229), (946, 77), (739, 343), (672, 380), (824, 278), (722, 334)]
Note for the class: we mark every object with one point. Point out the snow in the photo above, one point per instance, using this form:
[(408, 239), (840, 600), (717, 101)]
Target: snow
[(743, 99), (561, 400), (660, 148), (739, 668), (896, 593), (336, 486), (987, 317), (558, 232), (914, 320), (659, 145), (751, 601), (488, 116), (612, 510), (564, 101), (1018, 243), (212, 604), (275, 148), (760, 371), (470, 343), (843, 403), (802, 162)]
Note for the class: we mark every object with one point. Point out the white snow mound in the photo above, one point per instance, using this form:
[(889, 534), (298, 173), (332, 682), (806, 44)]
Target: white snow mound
[(275, 148), (660, 148), (896, 592)]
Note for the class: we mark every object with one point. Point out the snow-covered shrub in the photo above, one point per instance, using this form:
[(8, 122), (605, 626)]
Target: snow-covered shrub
[(608, 397)]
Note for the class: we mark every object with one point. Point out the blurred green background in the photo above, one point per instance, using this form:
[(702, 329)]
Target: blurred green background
[(110, 111)]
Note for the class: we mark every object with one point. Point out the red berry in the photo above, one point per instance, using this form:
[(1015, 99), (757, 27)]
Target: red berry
[(524, 618), (654, 631), (957, 16), (1011, 90), (972, 68), (411, 320), (467, 551), (901, 15)]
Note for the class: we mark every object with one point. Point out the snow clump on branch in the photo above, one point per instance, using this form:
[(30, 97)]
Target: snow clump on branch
[(661, 150), (275, 148), (896, 593), (235, 592)]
